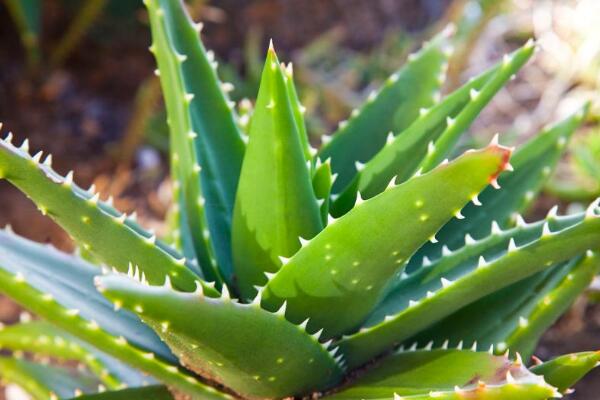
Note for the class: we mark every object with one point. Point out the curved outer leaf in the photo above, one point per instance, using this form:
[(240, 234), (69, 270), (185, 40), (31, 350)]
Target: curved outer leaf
[(60, 289), (69, 282), (393, 108), (447, 374), (337, 278), (564, 371), (532, 164), (185, 170), (252, 351), (540, 313), (108, 234), (521, 312), (219, 145), (455, 264), (45, 340), (275, 204), (45, 382), (519, 262), (400, 156), (448, 139), (146, 393), (503, 303)]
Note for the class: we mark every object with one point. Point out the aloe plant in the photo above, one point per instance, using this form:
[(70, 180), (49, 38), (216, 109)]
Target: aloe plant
[(372, 268)]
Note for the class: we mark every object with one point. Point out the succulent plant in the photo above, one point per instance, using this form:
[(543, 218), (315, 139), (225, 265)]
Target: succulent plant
[(369, 269)]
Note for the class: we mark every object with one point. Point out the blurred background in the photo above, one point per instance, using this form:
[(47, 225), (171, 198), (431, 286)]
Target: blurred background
[(76, 78)]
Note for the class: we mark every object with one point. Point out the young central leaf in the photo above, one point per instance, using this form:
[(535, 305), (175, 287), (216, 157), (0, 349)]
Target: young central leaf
[(275, 203), (337, 278)]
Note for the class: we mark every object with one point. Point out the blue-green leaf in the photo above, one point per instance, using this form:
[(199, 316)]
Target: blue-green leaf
[(216, 137)]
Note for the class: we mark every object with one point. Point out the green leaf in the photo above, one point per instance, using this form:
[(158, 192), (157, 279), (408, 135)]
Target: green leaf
[(393, 108), (522, 311), (401, 155), (523, 330), (69, 282), (532, 164), (217, 141), (185, 168), (448, 139), (45, 340), (454, 264), (322, 182), (275, 205), (518, 261), (565, 371), (44, 382), (60, 289), (111, 236), (337, 278), (447, 374), (256, 353), (298, 111), (147, 393)]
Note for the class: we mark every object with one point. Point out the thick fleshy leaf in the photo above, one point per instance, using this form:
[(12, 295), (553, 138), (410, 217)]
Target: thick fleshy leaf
[(275, 203), (522, 312), (60, 289), (256, 353), (449, 375), (565, 371), (109, 235), (69, 282), (480, 278), (454, 264), (45, 382), (393, 108), (185, 169), (337, 278), (532, 164), (523, 330), (145, 393), (42, 339), (401, 155), (216, 137), (448, 139)]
